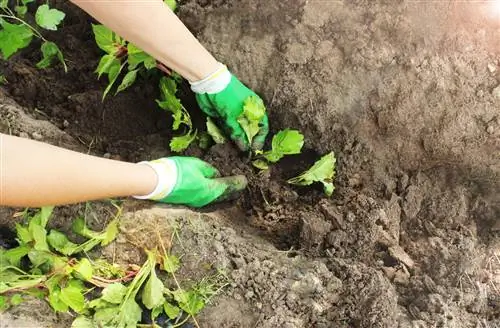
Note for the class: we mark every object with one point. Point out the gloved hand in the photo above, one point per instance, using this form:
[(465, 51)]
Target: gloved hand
[(191, 181), (221, 96)]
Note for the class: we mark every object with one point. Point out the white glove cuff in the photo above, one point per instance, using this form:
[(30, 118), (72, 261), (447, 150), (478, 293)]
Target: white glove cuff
[(166, 171), (214, 83)]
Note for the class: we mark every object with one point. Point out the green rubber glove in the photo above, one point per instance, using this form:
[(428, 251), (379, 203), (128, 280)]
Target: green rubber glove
[(226, 106), (192, 182)]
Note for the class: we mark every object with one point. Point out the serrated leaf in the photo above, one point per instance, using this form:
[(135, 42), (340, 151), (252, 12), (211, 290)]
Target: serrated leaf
[(130, 314), (23, 234), (109, 234), (105, 316), (127, 81), (322, 171), (181, 143), (40, 237), (55, 300), (105, 64), (84, 269), (48, 18), (191, 302), (14, 255), (80, 227), (215, 132), (83, 322), (136, 56), (253, 112), (21, 10), (58, 241), (113, 73), (114, 293), (14, 37), (152, 293), (72, 295), (45, 213), (285, 142), (172, 311), (50, 51), (105, 39)]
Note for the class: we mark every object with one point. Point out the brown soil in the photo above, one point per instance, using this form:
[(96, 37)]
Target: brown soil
[(403, 92)]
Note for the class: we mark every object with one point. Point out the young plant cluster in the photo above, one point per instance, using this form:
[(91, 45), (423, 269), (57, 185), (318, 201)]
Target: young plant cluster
[(285, 142), (49, 266), (18, 29)]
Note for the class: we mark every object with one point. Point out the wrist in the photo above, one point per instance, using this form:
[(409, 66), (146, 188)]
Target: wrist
[(215, 82), (165, 171)]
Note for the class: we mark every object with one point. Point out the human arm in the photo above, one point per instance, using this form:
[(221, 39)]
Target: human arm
[(34, 174), (153, 27)]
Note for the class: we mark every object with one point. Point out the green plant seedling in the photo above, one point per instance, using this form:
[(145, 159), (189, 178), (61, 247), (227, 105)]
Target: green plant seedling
[(322, 171), (16, 33), (214, 132), (253, 112), (285, 142), (169, 102)]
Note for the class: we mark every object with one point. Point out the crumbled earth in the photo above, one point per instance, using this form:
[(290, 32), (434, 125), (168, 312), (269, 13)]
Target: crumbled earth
[(405, 93)]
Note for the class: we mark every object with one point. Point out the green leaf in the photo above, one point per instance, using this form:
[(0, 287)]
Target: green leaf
[(105, 64), (61, 243), (99, 303), (40, 237), (84, 269), (80, 227), (109, 233), (191, 302), (172, 311), (4, 3), (48, 18), (286, 142), (136, 56), (3, 79), (14, 37), (45, 213), (50, 51), (114, 293), (113, 73), (83, 322), (215, 132), (171, 263), (152, 293), (127, 81), (106, 39), (4, 305), (172, 4), (14, 255), (104, 317), (23, 234), (322, 171), (72, 295), (16, 299), (253, 111), (181, 143), (130, 313), (55, 300), (21, 10)]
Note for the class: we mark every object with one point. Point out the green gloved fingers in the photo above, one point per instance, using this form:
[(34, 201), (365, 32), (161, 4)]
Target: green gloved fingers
[(196, 186), (226, 106)]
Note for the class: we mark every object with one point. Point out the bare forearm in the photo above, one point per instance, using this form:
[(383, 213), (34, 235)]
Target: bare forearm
[(36, 174), (154, 28)]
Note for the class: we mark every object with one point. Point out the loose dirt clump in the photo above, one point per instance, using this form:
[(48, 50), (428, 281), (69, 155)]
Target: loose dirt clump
[(405, 93)]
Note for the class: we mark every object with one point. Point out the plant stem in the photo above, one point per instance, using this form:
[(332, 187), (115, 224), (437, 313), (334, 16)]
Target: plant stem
[(24, 23)]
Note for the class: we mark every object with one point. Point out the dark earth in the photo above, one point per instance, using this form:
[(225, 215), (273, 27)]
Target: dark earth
[(407, 95)]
